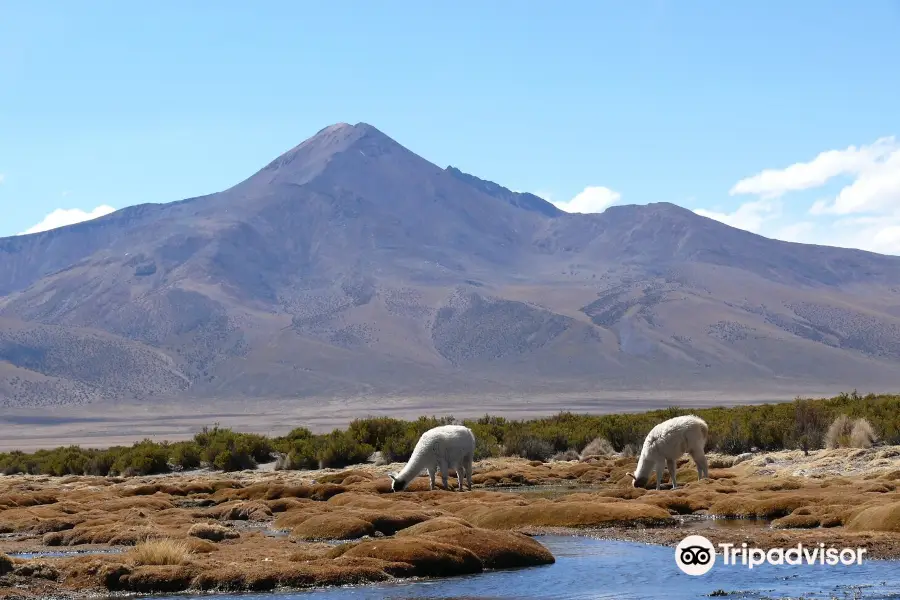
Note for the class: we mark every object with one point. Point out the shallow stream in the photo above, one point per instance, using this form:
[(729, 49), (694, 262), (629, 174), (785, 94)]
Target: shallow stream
[(588, 568)]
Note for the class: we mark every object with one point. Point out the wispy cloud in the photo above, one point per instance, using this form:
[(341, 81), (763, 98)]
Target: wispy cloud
[(864, 214), (774, 183), (750, 216), (68, 216), (592, 199)]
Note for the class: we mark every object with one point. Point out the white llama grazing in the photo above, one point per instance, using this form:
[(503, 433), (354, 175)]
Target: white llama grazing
[(445, 447), (666, 443)]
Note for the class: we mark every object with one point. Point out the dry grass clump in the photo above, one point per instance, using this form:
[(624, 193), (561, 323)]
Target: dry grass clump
[(568, 455), (598, 447), (165, 551), (811, 517), (434, 525), (862, 435), (768, 506), (496, 549), (390, 521), (212, 532), (877, 518), (575, 514), (333, 526), (838, 434), (428, 557), (240, 511), (847, 433)]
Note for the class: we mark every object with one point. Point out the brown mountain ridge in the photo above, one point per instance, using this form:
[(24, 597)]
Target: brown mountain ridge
[(350, 266)]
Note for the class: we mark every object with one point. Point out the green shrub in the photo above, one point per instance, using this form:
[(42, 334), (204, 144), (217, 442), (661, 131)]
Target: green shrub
[(226, 450), (400, 448), (376, 431), (185, 455), (339, 449), (530, 447), (100, 463), (802, 423), (487, 445), (144, 458)]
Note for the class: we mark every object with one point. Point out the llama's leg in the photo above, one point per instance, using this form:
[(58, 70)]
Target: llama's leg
[(468, 462), (445, 468), (702, 465), (431, 473), (459, 474), (672, 468), (659, 474)]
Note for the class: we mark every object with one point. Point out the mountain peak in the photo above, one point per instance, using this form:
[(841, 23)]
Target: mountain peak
[(302, 162)]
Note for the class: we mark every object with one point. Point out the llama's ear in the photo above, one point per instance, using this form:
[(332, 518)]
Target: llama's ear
[(631, 475), (391, 475)]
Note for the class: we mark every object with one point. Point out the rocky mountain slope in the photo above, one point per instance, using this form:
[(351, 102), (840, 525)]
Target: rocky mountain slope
[(350, 266)]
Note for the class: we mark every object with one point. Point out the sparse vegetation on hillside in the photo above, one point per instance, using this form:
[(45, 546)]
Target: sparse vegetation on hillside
[(847, 420)]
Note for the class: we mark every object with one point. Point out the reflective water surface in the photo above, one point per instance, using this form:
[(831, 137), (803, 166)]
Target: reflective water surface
[(588, 568)]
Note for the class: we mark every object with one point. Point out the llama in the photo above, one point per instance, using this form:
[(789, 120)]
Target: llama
[(666, 443), (445, 447)]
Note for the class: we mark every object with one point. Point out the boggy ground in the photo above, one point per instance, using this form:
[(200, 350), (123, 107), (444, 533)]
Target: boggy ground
[(261, 530)]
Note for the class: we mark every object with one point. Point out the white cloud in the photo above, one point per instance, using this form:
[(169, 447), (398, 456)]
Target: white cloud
[(592, 199), (864, 214), (750, 216), (875, 190), (773, 183), (802, 232), (68, 216)]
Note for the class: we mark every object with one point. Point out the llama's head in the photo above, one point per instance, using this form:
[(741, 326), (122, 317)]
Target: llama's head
[(636, 481), (397, 485)]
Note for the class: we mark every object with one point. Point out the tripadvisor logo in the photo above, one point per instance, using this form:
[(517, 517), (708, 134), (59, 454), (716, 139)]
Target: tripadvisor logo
[(696, 555)]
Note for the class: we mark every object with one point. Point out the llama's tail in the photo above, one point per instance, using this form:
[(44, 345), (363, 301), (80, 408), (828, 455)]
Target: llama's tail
[(704, 431)]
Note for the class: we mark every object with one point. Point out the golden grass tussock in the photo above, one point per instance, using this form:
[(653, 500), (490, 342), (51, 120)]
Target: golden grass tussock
[(766, 507), (358, 500), (429, 558), (390, 522), (294, 517), (564, 514), (165, 551), (146, 579), (877, 518), (240, 511), (862, 435), (333, 526), (318, 492), (598, 447), (496, 549), (14, 499), (436, 524), (212, 532), (344, 477)]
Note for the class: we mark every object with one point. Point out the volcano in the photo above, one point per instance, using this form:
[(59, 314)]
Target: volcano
[(351, 267)]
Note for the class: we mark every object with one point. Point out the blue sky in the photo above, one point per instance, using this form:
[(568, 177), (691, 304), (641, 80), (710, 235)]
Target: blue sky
[(107, 104)]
